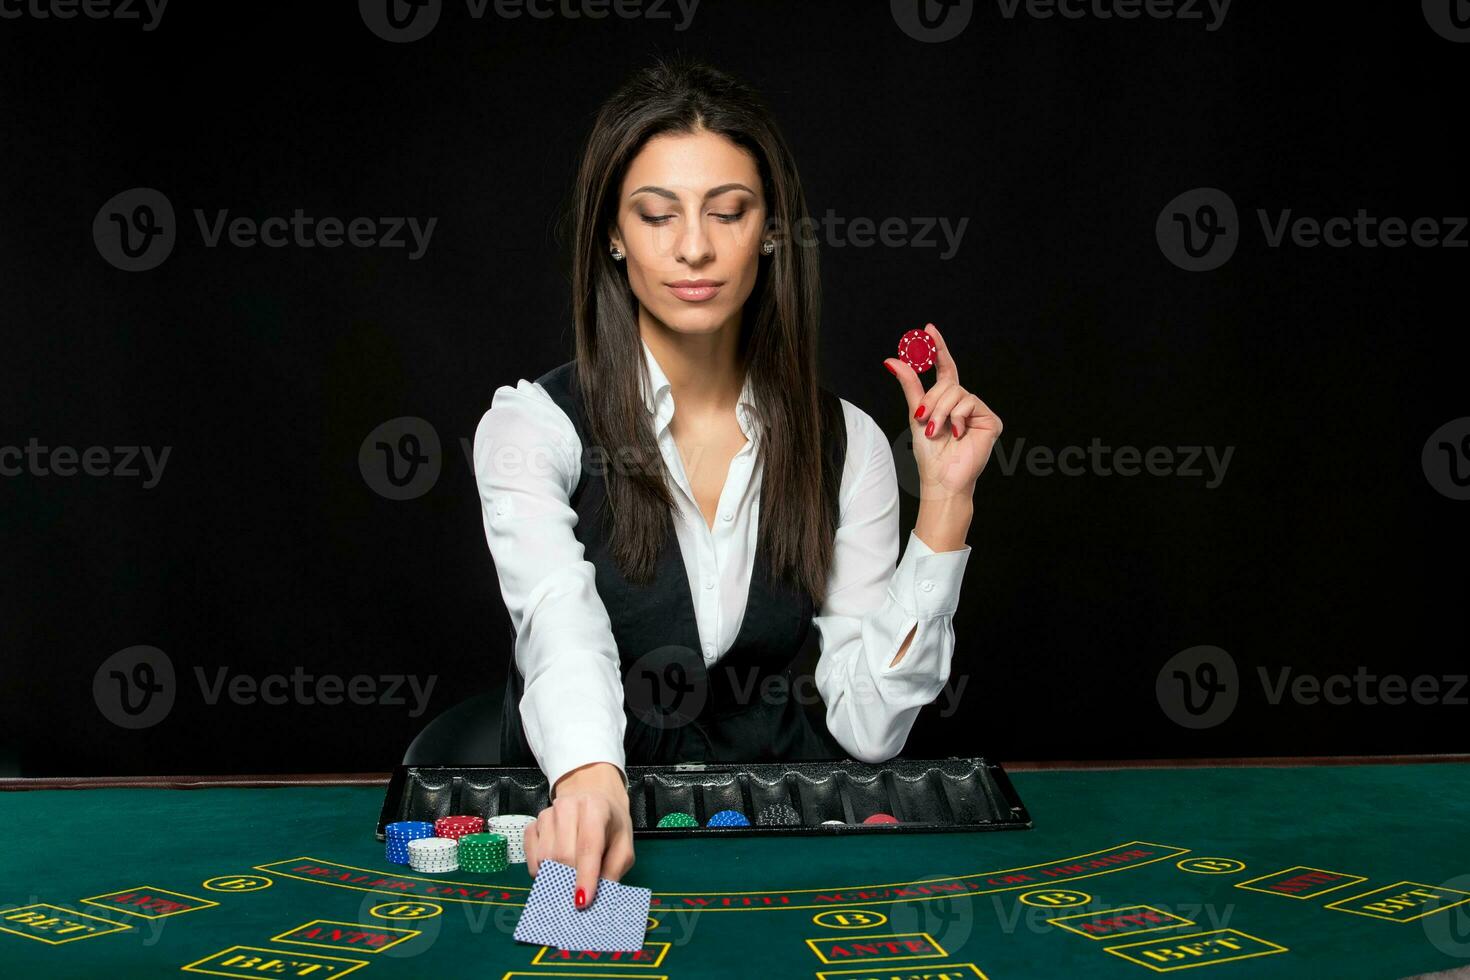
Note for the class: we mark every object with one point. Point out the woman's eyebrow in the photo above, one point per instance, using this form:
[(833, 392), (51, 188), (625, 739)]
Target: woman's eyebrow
[(712, 192)]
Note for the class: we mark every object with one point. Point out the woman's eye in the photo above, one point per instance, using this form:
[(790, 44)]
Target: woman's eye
[(663, 219)]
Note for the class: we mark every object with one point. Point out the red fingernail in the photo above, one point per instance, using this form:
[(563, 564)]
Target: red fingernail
[(929, 429), (580, 898), (956, 429), (919, 413), (890, 369)]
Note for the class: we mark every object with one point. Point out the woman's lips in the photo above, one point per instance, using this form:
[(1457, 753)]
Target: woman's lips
[(695, 290)]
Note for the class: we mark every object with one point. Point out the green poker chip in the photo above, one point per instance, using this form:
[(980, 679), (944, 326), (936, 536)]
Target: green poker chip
[(483, 853), (484, 867), (677, 820), (482, 840)]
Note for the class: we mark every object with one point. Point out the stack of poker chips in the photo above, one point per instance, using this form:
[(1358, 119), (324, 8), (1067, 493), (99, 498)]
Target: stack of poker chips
[(728, 818), (435, 855), (483, 853), (398, 836), (455, 827), (511, 826), (778, 815)]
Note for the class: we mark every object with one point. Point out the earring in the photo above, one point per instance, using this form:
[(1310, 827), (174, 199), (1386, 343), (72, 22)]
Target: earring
[(768, 246), (617, 254)]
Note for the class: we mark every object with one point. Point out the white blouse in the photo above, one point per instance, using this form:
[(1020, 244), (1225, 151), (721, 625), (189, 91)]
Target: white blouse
[(527, 464)]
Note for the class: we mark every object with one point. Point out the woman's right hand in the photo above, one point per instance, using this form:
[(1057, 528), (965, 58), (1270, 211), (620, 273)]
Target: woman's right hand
[(586, 827)]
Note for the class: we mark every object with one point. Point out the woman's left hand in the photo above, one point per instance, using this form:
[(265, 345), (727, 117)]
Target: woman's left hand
[(954, 431)]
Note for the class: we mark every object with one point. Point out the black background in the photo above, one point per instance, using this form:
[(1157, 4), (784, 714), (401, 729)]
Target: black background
[(264, 550)]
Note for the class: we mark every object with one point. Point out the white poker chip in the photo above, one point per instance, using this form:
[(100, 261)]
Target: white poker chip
[(511, 826), (433, 854)]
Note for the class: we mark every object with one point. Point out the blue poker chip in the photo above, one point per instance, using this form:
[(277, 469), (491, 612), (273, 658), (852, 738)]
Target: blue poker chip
[(406, 830), (398, 836), (728, 818)]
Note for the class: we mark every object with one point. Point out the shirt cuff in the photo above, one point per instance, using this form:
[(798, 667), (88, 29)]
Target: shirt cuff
[(559, 761), (926, 583), (570, 734)]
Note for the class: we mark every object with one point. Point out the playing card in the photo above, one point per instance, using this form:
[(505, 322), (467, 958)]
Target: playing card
[(616, 921)]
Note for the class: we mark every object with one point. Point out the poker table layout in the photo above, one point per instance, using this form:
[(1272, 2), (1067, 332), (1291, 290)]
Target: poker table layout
[(1280, 870)]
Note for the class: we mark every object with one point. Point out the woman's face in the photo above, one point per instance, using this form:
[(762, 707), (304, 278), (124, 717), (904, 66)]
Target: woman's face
[(690, 216)]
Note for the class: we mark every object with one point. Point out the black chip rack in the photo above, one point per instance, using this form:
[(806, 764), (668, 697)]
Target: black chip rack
[(939, 795)]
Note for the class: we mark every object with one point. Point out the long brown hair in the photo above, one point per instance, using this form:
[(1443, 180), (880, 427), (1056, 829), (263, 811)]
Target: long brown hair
[(778, 341)]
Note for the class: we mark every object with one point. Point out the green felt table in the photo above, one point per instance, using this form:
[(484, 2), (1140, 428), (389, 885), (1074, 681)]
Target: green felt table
[(1321, 871)]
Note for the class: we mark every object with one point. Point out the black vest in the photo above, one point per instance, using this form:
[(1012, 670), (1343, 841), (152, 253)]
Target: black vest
[(739, 709)]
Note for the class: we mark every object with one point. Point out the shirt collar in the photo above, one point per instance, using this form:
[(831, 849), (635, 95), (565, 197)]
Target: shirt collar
[(658, 397)]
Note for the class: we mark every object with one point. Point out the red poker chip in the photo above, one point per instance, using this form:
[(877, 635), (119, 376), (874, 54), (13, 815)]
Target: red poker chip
[(457, 826), (917, 349)]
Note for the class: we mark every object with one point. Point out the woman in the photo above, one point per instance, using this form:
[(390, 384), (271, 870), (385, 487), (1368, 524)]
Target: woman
[(682, 501)]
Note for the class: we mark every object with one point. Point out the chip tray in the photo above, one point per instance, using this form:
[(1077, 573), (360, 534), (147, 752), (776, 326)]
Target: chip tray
[(955, 794)]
